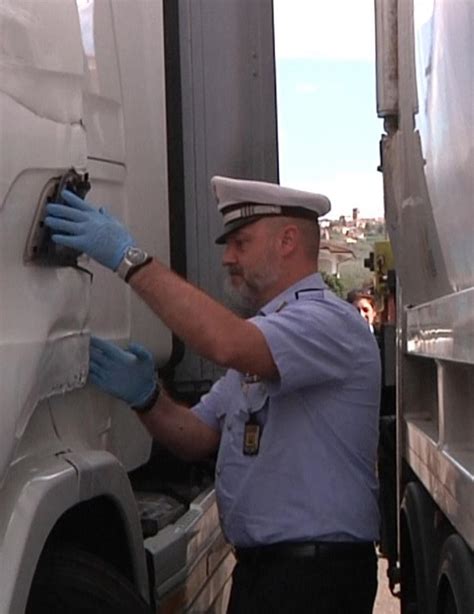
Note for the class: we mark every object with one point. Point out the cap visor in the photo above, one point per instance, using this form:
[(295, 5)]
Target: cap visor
[(235, 225)]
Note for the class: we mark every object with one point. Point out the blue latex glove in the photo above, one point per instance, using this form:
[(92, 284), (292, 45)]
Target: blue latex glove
[(87, 229), (127, 374)]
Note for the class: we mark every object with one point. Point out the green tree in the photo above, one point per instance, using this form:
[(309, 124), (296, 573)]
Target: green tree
[(334, 283)]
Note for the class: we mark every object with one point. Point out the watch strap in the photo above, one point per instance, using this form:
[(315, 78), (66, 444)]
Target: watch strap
[(136, 267), (149, 403)]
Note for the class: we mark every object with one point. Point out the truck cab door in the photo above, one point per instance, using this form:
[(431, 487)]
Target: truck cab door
[(69, 101), (44, 310), (125, 126)]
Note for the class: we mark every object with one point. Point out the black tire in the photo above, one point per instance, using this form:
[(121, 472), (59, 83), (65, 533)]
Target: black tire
[(417, 552), (456, 578), (71, 581), (448, 605)]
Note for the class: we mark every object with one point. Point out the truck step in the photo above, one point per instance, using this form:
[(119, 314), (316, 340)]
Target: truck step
[(157, 511)]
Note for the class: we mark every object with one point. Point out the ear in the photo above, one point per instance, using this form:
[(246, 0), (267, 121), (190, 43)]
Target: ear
[(288, 239)]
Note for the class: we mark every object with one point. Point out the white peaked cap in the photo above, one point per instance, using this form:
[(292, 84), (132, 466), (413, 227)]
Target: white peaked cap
[(242, 202)]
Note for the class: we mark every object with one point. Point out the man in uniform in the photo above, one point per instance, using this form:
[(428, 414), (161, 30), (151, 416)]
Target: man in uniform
[(295, 418)]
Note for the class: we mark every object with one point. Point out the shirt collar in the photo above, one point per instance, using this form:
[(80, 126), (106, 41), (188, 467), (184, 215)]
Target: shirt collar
[(311, 282)]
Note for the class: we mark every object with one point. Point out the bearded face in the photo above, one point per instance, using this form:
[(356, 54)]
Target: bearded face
[(249, 278)]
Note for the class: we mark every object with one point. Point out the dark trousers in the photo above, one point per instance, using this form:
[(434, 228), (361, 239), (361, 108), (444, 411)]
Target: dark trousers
[(285, 583)]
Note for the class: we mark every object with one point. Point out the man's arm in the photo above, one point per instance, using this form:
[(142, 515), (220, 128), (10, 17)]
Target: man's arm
[(213, 331), (179, 430), (209, 328), (129, 374)]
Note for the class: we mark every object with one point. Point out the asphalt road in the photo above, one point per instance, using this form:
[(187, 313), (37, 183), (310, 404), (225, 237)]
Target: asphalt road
[(385, 602)]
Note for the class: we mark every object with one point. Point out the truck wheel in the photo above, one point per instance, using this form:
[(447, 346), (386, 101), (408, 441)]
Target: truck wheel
[(77, 582), (417, 552), (456, 578)]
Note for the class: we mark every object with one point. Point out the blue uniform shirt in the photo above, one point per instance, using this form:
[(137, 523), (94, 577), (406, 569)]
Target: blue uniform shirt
[(314, 476)]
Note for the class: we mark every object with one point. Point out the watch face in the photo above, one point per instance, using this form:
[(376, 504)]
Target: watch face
[(135, 255)]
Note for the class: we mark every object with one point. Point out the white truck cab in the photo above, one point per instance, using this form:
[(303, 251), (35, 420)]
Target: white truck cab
[(110, 98)]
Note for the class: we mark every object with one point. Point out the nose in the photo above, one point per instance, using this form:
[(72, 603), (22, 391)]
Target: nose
[(228, 256)]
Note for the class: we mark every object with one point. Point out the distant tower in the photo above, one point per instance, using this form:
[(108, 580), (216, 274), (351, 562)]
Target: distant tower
[(355, 214), (342, 220)]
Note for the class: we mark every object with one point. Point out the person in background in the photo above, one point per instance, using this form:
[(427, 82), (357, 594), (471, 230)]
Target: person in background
[(295, 418), (365, 305)]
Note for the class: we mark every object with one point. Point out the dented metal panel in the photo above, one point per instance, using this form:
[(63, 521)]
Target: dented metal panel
[(72, 82), (43, 310)]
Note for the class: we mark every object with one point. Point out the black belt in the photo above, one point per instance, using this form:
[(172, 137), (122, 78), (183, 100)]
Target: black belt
[(323, 551)]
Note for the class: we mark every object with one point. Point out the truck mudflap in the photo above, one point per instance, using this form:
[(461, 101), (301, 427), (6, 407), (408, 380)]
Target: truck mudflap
[(191, 563)]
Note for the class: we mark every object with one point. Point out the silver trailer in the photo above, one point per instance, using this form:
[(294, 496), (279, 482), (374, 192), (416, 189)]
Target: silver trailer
[(425, 54)]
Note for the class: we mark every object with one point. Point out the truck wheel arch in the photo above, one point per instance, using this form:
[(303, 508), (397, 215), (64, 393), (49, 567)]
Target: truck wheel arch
[(96, 526), (55, 493)]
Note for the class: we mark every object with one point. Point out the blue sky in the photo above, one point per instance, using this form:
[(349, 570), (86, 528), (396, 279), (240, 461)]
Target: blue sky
[(328, 126)]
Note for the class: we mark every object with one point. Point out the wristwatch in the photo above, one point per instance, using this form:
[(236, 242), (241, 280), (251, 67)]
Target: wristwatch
[(133, 260)]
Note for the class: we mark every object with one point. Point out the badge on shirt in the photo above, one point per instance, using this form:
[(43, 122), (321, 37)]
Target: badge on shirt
[(252, 432)]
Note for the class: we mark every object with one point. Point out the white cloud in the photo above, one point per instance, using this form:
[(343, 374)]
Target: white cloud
[(324, 29), (346, 190)]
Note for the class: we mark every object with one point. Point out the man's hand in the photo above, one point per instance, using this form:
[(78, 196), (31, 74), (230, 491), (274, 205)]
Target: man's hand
[(127, 374), (87, 229)]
